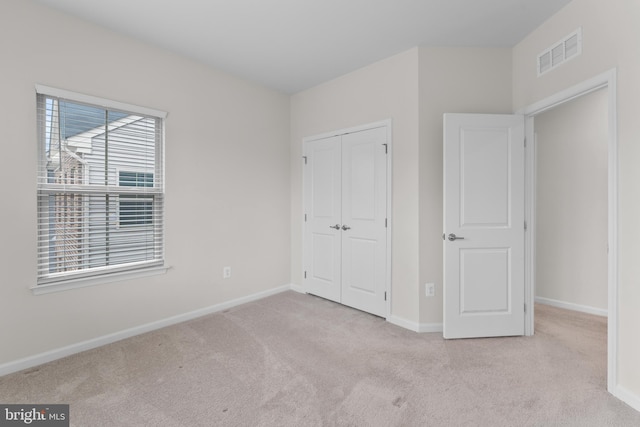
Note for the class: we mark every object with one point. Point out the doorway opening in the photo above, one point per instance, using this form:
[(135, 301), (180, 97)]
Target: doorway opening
[(605, 83), (571, 205)]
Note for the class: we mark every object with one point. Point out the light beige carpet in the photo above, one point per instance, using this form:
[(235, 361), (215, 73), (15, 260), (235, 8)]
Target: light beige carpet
[(298, 360)]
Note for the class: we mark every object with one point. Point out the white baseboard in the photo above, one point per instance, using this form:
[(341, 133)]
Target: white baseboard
[(49, 356), (430, 327), (297, 288), (628, 397), (572, 306), (414, 326), (403, 323)]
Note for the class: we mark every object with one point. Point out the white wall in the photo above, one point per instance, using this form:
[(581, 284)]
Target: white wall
[(227, 180), (571, 217), (611, 32), (452, 80), (386, 89)]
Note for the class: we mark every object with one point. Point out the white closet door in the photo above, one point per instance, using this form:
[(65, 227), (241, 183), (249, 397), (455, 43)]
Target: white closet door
[(323, 235), (345, 192), (364, 206)]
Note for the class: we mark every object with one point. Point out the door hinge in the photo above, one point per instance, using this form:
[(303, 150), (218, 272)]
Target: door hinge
[(385, 296), (525, 143), (305, 159), (386, 148), (525, 226), (305, 217), (525, 307), (385, 223), (305, 274)]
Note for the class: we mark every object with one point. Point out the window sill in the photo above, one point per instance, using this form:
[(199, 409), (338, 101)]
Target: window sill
[(97, 280)]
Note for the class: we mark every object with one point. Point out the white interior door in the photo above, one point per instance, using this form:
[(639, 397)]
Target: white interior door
[(345, 249), (364, 209), (483, 225), (323, 213)]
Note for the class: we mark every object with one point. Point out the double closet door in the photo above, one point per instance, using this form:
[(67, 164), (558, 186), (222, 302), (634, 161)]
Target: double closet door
[(345, 227)]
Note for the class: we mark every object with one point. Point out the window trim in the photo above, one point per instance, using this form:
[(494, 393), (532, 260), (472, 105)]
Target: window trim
[(82, 282), (131, 271), (99, 102)]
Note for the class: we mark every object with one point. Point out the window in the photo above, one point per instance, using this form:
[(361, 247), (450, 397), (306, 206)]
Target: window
[(100, 190)]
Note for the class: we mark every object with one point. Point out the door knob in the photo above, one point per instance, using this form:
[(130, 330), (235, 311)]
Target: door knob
[(453, 237), (345, 228), (337, 226)]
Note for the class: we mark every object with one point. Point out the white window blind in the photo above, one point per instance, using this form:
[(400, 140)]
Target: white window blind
[(100, 188)]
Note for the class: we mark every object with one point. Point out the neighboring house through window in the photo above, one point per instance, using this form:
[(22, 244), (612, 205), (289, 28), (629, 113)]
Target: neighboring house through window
[(135, 210), (100, 189)]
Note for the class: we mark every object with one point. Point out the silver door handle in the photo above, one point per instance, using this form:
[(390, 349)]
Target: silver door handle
[(345, 228), (337, 226), (453, 237)]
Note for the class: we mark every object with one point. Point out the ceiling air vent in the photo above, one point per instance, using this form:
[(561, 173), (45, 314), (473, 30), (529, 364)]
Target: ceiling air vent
[(567, 48)]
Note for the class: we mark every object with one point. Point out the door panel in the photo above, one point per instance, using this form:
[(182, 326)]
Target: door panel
[(360, 197), (485, 190), (484, 281), (362, 254), (484, 208), (326, 181), (364, 209), (325, 268), (323, 195)]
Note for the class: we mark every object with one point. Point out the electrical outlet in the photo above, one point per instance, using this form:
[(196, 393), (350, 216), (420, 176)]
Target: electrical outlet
[(226, 273), (430, 289)]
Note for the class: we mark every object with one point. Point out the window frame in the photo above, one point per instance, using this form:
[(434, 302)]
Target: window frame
[(64, 281)]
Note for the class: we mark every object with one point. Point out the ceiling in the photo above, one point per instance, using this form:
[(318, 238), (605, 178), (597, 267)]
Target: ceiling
[(292, 45)]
